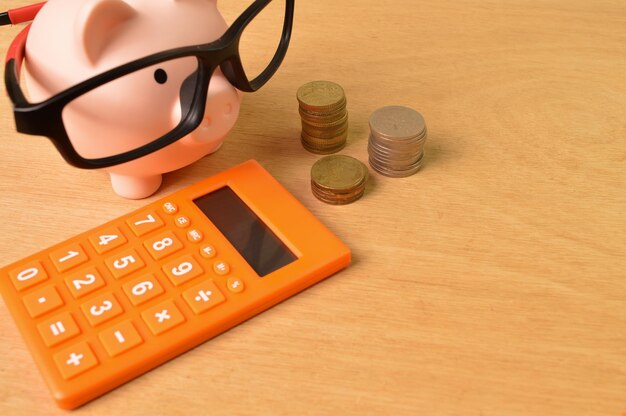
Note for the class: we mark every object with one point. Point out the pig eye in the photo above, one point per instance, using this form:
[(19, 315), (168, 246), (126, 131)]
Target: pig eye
[(160, 76)]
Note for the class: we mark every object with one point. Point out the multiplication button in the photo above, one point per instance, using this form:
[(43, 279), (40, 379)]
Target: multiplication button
[(162, 317)]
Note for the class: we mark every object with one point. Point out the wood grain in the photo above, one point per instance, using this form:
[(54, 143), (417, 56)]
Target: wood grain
[(492, 282)]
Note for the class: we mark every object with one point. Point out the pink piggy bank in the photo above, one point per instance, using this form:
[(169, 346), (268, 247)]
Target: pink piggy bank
[(74, 40)]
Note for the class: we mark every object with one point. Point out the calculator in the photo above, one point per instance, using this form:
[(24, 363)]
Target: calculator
[(107, 305)]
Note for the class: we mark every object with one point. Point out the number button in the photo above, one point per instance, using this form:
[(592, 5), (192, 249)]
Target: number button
[(203, 297), (120, 338), (163, 317), (28, 276), (107, 240), (102, 308), (58, 329), (85, 282), (144, 223), (142, 289), (182, 270), (124, 264), (42, 301), (163, 245), (68, 257), (75, 360)]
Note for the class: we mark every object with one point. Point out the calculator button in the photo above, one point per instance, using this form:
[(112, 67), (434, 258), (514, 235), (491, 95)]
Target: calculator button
[(195, 236), (163, 245), (208, 251), (28, 275), (124, 263), (58, 329), (235, 285), (68, 257), (101, 309), (42, 301), (144, 223), (120, 338), (182, 221), (170, 208), (107, 240), (85, 282), (142, 289), (163, 317), (221, 267), (182, 270), (75, 360), (203, 297)]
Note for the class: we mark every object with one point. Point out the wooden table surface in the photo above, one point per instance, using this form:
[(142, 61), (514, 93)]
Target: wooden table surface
[(493, 282)]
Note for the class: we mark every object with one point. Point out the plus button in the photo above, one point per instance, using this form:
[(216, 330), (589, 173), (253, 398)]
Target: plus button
[(75, 359)]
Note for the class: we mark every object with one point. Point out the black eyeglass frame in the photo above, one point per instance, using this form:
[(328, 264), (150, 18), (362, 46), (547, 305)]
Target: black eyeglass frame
[(45, 118)]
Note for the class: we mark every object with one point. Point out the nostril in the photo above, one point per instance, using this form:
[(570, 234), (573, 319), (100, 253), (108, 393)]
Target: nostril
[(207, 121)]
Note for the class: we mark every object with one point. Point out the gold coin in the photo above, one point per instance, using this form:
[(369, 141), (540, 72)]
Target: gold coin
[(339, 173), (319, 96)]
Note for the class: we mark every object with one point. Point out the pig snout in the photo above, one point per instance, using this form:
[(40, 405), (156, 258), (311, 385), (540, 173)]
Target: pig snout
[(221, 111)]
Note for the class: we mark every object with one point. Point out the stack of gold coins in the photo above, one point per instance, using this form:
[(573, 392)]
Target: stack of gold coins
[(338, 179), (324, 117), (396, 142)]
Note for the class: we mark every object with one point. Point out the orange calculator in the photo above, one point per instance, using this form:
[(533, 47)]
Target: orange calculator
[(114, 302)]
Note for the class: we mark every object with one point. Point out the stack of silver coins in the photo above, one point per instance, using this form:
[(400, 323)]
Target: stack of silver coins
[(396, 142)]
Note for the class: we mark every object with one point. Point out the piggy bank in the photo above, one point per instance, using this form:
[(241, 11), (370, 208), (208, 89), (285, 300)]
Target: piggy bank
[(73, 40)]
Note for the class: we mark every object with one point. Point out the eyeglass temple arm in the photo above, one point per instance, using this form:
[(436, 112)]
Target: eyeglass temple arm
[(20, 15)]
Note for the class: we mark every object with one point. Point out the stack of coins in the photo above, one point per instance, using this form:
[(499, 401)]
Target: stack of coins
[(396, 142), (324, 117), (338, 179)]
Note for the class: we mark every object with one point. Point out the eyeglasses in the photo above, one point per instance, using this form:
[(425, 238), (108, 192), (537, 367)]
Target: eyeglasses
[(191, 67)]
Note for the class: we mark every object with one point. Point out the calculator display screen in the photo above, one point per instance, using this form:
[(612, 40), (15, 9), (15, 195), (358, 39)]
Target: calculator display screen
[(256, 243)]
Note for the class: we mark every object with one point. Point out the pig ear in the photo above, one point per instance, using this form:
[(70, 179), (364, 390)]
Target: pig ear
[(96, 24)]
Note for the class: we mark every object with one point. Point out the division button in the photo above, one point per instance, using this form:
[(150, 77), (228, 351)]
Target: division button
[(203, 297)]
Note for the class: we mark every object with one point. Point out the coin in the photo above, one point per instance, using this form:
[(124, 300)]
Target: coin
[(396, 141), (338, 179), (320, 96), (397, 122), (324, 115)]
